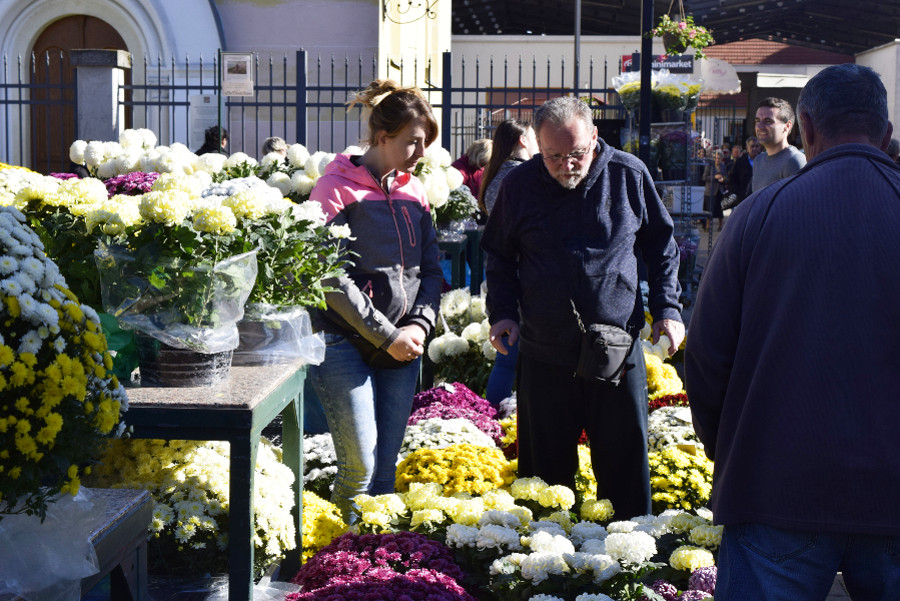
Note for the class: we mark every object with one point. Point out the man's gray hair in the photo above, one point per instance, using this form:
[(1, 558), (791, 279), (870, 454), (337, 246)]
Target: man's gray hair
[(846, 99), (562, 110)]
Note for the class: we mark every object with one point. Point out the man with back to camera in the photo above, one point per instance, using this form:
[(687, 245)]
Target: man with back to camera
[(791, 361), (565, 236), (774, 121)]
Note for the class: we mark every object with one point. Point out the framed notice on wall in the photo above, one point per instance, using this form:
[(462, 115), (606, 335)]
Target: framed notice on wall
[(237, 73)]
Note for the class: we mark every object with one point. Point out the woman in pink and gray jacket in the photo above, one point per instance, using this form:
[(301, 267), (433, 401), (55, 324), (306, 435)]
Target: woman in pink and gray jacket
[(377, 321)]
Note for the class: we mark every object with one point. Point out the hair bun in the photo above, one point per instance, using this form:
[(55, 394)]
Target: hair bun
[(377, 91)]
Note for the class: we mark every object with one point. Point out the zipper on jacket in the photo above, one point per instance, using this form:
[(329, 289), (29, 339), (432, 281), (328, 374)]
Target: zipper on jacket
[(390, 202), (409, 226)]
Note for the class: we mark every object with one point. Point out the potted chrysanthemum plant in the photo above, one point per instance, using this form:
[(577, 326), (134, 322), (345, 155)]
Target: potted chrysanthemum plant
[(60, 397)]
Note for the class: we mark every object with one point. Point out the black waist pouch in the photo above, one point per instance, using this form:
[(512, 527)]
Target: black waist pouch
[(604, 350)]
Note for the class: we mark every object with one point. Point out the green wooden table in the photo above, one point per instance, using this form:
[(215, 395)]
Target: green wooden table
[(235, 411), (121, 543)]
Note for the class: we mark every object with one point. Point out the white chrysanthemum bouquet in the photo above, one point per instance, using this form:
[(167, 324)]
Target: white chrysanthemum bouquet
[(462, 351), (449, 198)]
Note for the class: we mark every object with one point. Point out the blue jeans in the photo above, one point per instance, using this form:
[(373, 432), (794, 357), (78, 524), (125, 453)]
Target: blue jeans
[(770, 564), (503, 374), (367, 410)]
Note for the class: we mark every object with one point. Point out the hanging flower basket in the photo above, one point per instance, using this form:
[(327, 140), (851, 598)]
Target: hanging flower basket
[(682, 34)]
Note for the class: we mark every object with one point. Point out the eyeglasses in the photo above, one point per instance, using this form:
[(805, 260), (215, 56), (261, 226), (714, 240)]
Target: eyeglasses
[(576, 155)]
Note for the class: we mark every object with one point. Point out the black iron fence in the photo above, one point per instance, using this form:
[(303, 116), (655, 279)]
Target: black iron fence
[(306, 100), (301, 99)]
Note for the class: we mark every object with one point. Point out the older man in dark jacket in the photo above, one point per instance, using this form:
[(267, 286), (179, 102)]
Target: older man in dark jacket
[(791, 361), (563, 245)]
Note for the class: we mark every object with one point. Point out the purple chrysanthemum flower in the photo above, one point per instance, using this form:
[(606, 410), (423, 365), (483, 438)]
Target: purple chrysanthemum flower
[(704, 579), (665, 589), (354, 557), (461, 396), (133, 184), (693, 596), (489, 426), (386, 585), (64, 176)]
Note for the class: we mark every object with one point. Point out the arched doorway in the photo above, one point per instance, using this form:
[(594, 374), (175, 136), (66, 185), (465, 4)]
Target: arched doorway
[(53, 115)]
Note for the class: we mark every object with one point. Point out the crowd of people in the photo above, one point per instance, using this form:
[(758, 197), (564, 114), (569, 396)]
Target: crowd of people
[(780, 397)]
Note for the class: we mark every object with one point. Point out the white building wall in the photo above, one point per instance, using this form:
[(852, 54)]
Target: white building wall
[(886, 61)]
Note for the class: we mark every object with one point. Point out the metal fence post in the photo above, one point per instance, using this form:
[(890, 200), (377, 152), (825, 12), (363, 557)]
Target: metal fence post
[(300, 119), (446, 100)]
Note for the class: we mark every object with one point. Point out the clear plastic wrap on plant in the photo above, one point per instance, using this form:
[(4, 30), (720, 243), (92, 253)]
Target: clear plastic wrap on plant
[(47, 560), (276, 334), (182, 304), (668, 93), (628, 86)]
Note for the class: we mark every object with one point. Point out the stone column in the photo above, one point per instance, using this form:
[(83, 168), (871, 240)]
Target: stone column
[(100, 75)]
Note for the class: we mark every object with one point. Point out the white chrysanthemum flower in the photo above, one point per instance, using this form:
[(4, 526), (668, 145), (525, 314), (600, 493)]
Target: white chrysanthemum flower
[(316, 163), (633, 548), (76, 152), (212, 162), (499, 518), (131, 138), (601, 567), (354, 150), (31, 343), (297, 154), (548, 527), (454, 178), (147, 162), (594, 596), (583, 531), (461, 536), (8, 264), (310, 211), (621, 527), (238, 158), (544, 597), (108, 168), (494, 536), (340, 232), (594, 546), (281, 181), (488, 350), (537, 567), (455, 303), (271, 160), (129, 161), (507, 565), (148, 137), (544, 541), (111, 149), (437, 190), (301, 183), (93, 154), (472, 333)]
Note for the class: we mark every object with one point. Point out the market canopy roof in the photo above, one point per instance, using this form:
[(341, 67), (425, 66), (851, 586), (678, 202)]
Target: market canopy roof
[(835, 25)]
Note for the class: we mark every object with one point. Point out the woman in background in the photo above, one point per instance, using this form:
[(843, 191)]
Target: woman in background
[(514, 143), (377, 321)]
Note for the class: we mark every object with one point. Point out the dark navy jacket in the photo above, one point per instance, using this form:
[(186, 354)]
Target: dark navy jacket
[(548, 247), (792, 350)]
